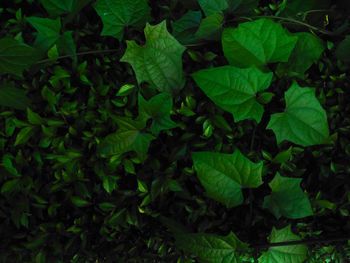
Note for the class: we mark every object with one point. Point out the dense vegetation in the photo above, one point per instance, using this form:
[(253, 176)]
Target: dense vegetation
[(174, 131)]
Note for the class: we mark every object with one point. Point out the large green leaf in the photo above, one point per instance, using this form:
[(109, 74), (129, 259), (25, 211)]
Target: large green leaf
[(287, 198), (234, 89), (60, 7), (16, 56), (212, 248), (223, 175), (116, 14), (128, 137), (307, 50), (158, 108), (304, 121), (185, 28), (160, 61), (13, 98), (48, 31), (210, 7), (257, 43), (285, 254)]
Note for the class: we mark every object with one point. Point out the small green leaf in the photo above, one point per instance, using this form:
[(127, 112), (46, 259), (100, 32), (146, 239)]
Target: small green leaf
[(10, 186), (142, 186), (126, 90), (265, 97), (223, 175), (283, 156), (285, 254), (257, 43), (79, 202), (234, 89), (304, 121), (287, 198), (16, 57), (8, 165), (212, 248), (24, 135), (34, 118), (116, 14), (106, 206), (160, 61)]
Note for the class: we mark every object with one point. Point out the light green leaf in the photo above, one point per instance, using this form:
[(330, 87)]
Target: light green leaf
[(212, 248), (48, 31), (160, 61), (116, 14), (307, 50), (304, 121), (16, 56), (210, 27), (127, 138), (223, 175), (285, 254), (257, 43), (158, 108), (126, 90), (185, 28), (287, 198), (210, 7), (343, 49), (13, 98), (234, 89), (24, 135)]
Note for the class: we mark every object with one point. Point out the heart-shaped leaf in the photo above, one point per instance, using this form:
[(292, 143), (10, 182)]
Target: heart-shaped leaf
[(234, 89)]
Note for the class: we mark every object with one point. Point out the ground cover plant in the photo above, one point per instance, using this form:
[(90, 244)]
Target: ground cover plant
[(174, 131)]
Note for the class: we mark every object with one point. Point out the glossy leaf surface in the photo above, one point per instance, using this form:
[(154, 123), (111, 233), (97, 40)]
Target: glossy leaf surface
[(160, 61), (234, 89), (224, 175), (304, 121)]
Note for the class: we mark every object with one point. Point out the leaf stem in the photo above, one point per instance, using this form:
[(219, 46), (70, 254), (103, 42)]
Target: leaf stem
[(78, 54)]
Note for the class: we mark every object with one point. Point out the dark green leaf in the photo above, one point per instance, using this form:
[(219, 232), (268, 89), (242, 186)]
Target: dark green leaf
[(13, 98)]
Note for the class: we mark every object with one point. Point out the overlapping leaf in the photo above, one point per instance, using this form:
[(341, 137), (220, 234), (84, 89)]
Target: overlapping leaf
[(128, 137), (210, 27), (158, 108), (257, 43), (285, 254), (234, 89), (160, 61), (116, 14), (304, 121), (287, 198), (185, 28), (211, 7), (224, 175), (212, 248), (14, 98)]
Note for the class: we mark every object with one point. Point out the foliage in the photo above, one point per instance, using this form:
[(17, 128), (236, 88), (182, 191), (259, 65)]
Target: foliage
[(174, 131)]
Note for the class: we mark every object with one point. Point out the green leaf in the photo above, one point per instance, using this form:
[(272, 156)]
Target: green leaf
[(307, 50), (10, 186), (116, 14), (158, 108), (79, 202), (287, 198), (223, 175), (185, 28), (304, 121), (34, 118), (8, 165), (126, 90), (48, 31), (212, 248), (128, 138), (343, 50), (24, 135), (210, 7), (160, 61), (285, 254), (210, 27), (66, 45), (16, 56), (296, 8), (257, 43), (56, 8), (283, 156), (234, 89), (13, 98)]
